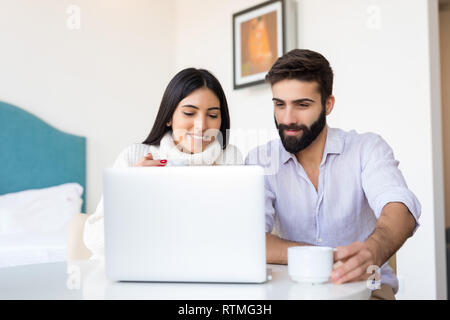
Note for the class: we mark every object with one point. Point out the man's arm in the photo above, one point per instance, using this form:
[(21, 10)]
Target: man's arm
[(395, 225), (276, 249)]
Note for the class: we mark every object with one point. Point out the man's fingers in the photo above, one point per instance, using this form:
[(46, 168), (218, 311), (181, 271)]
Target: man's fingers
[(347, 251), (337, 265), (356, 274), (346, 267), (354, 268)]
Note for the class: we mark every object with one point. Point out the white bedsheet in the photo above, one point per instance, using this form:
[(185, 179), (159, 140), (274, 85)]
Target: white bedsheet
[(32, 248)]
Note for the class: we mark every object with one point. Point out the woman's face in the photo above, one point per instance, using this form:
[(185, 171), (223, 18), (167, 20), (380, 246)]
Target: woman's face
[(196, 121)]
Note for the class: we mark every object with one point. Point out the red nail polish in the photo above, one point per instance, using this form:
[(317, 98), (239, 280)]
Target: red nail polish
[(163, 161)]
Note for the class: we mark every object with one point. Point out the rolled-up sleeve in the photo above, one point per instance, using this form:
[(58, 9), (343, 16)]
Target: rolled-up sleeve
[(383, 182)]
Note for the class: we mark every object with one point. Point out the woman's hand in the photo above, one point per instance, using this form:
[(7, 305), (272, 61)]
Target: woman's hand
[(148, 161)]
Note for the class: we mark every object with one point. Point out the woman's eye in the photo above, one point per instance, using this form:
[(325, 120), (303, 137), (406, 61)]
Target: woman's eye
[(213, 116), (188, 114)]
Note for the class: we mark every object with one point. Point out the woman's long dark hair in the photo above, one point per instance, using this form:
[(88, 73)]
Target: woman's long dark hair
[(182, 85)]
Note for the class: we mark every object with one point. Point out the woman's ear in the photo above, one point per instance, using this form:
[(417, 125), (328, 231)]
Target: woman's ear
[(169, 123)]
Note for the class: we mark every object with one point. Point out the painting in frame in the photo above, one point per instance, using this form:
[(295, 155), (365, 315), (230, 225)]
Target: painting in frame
[(258, 41)]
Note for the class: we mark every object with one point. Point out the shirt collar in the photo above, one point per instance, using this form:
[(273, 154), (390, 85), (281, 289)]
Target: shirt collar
[(333, 145)]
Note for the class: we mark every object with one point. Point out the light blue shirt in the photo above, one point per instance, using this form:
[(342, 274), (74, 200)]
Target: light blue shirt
[(358, 177)]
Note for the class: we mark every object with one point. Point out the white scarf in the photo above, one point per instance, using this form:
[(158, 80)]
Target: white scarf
[(168, 150)]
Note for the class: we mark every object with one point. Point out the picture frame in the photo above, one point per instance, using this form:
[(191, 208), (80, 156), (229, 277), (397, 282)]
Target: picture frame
[(259, 38)]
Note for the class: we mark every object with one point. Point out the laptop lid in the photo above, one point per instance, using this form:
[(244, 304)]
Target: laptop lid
[(185, 224)]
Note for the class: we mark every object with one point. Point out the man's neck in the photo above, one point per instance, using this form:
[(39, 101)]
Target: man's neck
[(312, 155)]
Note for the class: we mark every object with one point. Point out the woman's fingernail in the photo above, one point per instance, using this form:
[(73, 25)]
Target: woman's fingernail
[(163, 161), (161, 165)]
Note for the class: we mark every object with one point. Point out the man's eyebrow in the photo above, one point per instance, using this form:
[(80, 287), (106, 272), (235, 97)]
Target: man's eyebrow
[(303, 100), (295, 101), (191, 106)]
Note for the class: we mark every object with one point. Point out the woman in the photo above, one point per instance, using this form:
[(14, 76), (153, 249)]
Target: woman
[(190, 129)]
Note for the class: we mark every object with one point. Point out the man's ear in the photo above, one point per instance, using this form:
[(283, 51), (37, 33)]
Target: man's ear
[(330, 104)]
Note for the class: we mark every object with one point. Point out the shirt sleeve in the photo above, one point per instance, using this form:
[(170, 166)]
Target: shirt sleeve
[(269, 206), (269, 201), (383, 181)]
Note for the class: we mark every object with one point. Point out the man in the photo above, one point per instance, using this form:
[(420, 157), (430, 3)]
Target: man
[(331, 187)]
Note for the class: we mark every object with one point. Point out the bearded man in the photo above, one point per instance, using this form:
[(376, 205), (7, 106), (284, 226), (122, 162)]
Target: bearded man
[(332, 187)]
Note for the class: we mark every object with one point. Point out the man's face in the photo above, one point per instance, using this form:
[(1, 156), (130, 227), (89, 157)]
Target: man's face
[(299, 114)]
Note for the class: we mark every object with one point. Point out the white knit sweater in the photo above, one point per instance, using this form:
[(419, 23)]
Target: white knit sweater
[(93, 236)]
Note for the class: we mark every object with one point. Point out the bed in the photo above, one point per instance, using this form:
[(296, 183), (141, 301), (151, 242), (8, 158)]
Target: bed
[(36, 156)]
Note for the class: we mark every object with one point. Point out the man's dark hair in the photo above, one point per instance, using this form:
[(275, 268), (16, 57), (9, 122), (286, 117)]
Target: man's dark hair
[(304, 65)]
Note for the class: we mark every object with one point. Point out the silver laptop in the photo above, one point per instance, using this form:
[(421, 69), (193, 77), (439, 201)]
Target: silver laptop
[(185, 224)]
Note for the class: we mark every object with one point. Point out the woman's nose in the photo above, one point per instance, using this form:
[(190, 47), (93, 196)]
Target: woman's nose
[(200, 125)]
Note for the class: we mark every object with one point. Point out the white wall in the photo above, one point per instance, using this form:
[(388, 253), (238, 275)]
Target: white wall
[(204, 39), (383, 84), (103, 81)]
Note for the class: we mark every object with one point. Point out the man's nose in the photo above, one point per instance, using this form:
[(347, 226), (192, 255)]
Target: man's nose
[(288, 117)]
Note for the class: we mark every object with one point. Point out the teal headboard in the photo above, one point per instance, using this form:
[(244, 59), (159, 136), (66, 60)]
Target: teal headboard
[(35, 155)]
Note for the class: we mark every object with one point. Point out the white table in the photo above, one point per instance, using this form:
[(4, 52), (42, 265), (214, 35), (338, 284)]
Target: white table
[(87, 280)]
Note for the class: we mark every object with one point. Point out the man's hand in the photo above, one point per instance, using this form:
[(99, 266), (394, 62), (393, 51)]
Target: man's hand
[(394, 226), (353, 260)]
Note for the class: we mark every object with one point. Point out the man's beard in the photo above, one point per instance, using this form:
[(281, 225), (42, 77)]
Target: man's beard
[(295, 144)]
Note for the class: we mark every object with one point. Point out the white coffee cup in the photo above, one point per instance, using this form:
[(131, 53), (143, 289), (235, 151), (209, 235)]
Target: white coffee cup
[(309, 264)]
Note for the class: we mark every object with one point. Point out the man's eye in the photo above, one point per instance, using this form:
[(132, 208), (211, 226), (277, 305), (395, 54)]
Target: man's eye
[(278, 104)]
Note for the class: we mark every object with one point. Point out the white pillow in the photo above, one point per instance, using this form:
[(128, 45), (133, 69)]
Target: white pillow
[(39, 210)]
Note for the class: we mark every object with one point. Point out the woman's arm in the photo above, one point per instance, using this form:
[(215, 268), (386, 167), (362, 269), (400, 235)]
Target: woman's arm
[(94, 233)]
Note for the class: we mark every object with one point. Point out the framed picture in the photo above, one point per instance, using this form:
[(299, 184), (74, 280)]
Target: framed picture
[(258, 40)]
